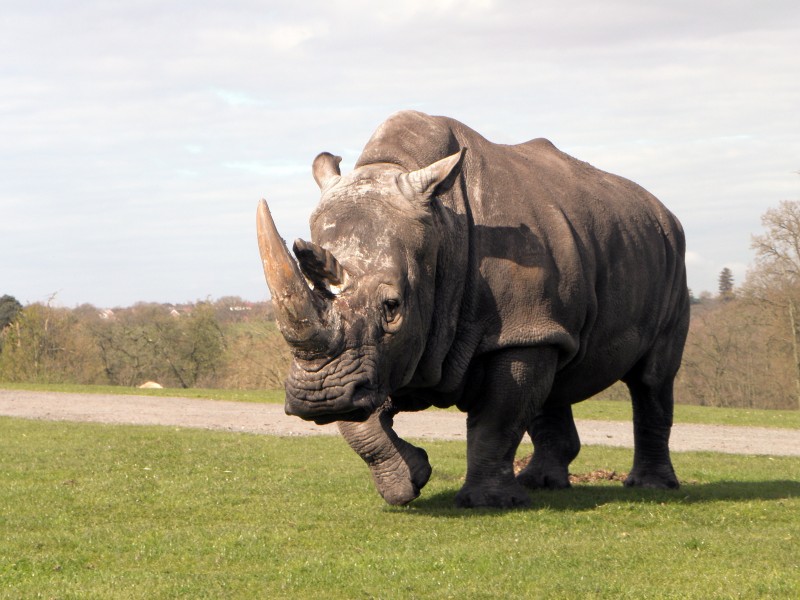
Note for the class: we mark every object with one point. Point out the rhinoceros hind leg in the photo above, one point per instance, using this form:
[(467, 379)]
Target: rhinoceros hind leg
[(652, 466), (556, 444), (651, 384)]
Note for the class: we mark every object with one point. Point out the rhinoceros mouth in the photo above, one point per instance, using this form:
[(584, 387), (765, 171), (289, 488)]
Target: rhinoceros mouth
[(356, 406), (359, 415)]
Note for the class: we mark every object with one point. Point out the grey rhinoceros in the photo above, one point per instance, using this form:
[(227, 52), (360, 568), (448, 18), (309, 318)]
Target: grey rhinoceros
[(509, 281)]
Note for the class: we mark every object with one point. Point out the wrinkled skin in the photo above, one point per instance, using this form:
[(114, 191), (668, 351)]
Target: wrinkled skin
[(510, 281), (399, 469)]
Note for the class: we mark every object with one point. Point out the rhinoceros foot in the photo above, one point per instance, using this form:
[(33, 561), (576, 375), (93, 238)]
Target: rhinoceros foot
[(493, 494), (541, 475), (399, 481), (399, 469), (662, 478)]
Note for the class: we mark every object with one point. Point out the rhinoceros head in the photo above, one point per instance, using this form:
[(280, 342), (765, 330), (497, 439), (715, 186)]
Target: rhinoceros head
[(356, 305)]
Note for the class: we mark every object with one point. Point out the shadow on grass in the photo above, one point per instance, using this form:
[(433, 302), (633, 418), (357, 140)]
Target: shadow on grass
[(589, 497)]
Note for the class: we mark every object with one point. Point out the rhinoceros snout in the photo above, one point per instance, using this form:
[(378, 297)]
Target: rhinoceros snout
[(356, 404), (345, 387)]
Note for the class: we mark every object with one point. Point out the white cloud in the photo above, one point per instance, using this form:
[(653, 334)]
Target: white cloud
[(288, 37), (267, 170), (693, 259), (419, 10), (237, 98)]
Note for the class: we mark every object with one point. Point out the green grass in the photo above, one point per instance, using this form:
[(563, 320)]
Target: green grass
[(93, 511), (605, 410)]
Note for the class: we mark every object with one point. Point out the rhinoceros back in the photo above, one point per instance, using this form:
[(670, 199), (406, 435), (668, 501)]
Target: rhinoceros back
[(556, 251)]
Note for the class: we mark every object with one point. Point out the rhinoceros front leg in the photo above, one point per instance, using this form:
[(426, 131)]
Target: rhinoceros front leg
[(399, 469), (516, 384)]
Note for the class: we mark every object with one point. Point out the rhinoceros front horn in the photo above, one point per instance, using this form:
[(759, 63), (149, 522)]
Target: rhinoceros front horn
[(297, 309)]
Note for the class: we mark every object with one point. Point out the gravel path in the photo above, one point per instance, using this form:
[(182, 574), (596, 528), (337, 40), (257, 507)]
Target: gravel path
[(269, 419)]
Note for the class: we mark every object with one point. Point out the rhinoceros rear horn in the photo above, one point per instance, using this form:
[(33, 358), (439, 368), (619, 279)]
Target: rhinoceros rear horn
[(325, 169), (432, 180), (297, 308), (319, 266)]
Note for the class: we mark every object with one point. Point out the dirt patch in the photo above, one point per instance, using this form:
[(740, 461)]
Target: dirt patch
[(598, 475), (592, 477)]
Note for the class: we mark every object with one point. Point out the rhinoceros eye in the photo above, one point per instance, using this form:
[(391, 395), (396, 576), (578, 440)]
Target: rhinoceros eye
[(392, 314), (391, 310)]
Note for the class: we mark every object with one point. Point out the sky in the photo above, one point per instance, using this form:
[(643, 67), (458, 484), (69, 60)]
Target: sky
[(137, 136)]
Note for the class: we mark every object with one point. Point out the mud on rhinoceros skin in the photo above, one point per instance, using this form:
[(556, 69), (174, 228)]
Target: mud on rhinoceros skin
[(510, 281)]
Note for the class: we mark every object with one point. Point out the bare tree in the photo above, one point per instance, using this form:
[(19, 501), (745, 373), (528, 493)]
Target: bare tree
[(775, 279)]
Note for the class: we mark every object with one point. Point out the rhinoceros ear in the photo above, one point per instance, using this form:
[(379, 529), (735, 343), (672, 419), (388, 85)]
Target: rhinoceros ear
[(432, 180), (326, 170), (319, 266)]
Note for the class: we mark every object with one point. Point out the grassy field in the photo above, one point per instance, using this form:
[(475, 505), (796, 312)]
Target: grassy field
[(606, 410), (93, 511)]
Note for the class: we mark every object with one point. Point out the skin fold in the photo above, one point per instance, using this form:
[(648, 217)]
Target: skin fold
[(399, 469)]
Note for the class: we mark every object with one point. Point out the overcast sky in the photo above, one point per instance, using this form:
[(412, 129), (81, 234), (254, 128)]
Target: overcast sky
[(136, 136)]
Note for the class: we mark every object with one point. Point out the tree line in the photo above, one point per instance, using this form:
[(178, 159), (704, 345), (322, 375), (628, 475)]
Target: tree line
[(743, 348), (229, 343)]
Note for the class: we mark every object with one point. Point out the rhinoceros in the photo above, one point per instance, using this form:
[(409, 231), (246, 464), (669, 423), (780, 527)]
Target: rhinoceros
[(510, 281)]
